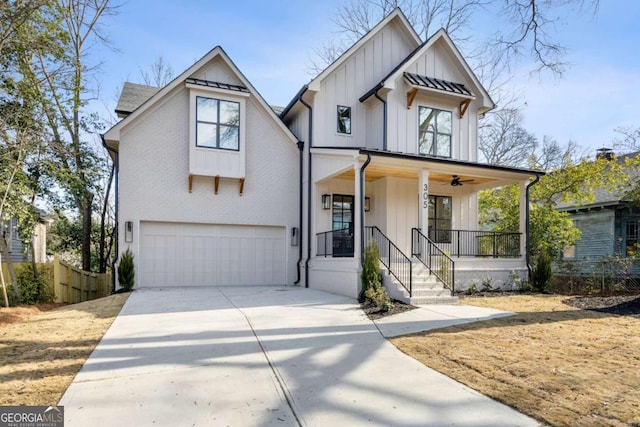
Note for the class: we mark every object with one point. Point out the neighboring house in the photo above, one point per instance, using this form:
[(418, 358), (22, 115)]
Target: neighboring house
[(214, 188), (17, 248), (610, 227)]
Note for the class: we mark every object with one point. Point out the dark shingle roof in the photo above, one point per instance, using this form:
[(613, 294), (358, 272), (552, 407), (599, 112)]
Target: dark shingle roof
[(437, 84), (132, 96)]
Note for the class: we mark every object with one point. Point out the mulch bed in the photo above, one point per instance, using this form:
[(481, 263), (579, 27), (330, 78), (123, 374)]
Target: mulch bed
[(627, 305), (373, 313)]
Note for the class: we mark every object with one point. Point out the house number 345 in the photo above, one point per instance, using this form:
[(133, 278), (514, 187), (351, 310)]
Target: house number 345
[(425, 196)]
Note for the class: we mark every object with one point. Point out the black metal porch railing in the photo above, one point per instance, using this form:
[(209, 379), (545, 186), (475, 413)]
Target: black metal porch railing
[(434, 259), (337, 243), (466, 243), (397, 263)]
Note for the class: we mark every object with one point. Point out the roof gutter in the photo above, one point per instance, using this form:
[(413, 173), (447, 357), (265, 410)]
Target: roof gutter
[(527, 227), (116, 160), (384, 119), (301, 195), (309, 186)]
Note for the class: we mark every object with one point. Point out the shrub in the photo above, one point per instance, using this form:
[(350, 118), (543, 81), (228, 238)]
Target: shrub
[(126, 271), (541, 274), (373, 291), (32, 290)]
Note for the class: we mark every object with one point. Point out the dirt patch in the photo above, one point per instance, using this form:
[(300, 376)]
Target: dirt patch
[(42, 348), (628, 305), (560, 364)]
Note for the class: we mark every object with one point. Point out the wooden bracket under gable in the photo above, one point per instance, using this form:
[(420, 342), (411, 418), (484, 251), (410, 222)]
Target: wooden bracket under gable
[(463, 107), (411, 95), (241, 185), (216, 183), (190, 183)]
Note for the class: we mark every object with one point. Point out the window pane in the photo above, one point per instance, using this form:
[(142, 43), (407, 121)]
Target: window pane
[(426, 143), (206, 135), (444, 122), (426, 119), (229, 137), (444, 208), (344, 119), (229, 113), (207, 110), (443, 148)]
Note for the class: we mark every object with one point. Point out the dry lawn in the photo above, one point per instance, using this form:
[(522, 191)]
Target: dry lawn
[(41, 351), (561, 365)]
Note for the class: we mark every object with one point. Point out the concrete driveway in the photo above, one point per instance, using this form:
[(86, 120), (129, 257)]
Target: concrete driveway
[(261, 356)]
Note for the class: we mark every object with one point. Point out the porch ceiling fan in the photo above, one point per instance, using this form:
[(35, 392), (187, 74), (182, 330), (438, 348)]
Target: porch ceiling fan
[(457, 182)]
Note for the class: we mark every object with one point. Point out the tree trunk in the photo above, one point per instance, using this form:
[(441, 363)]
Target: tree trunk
[(86, 232), (104, 258)]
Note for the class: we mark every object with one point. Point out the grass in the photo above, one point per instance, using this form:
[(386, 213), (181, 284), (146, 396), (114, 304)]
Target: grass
[(41, 351), (561, 365)]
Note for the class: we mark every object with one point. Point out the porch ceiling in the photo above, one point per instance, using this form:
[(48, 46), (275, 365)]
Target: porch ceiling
[(375, 172)]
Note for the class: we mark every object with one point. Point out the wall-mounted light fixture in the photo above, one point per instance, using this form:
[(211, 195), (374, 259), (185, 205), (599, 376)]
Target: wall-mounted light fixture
[(367, 204), (128, 231), (295, 232), (326, 201)]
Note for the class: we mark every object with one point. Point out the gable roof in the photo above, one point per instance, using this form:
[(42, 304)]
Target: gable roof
[(132, 96), (441, 35), (112, 136), (395, 15)]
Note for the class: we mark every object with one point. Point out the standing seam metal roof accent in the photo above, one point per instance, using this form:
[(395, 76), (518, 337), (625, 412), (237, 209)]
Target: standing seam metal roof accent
[(438, 84), (217, 85)]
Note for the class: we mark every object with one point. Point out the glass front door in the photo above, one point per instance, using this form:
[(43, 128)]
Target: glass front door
[(342, 219)]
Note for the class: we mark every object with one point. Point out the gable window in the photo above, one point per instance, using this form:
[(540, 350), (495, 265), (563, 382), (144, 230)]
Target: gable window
[(434, 132), (217, 123), (344, 119), (440, 219)]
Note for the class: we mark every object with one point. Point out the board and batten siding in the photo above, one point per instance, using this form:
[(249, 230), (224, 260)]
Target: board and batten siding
[(365, 68), (403, 122)]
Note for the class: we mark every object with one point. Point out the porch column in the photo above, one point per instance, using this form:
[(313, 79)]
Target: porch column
[(356, 212), (523, 218), (423, 202)]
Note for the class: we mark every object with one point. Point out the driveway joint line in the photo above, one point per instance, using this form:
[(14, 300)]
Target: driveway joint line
[(285, 391)]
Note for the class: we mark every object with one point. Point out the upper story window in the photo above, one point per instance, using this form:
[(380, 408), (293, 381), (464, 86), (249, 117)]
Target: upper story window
[(344, 119), (434, 132), (217, 123)]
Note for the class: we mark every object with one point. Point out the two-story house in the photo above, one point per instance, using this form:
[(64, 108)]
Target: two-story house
[(214, 188), (391, 133)]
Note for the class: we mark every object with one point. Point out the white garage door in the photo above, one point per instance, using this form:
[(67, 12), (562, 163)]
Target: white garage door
[(200, 255)]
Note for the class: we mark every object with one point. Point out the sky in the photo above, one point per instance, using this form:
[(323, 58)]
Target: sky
[(273, 43)]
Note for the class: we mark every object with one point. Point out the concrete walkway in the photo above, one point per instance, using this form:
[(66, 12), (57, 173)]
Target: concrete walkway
[(262, 356)]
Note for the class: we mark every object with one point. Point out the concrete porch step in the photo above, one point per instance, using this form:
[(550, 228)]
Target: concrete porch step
[(449, 300)]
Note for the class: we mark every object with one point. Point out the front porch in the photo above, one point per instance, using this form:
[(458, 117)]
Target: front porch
[(391, 198)]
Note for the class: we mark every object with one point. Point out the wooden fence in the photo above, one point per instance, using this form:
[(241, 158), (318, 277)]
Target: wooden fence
[(69, 284)]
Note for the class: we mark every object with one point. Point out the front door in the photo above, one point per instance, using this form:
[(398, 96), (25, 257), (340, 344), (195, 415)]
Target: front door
[(342, 219)]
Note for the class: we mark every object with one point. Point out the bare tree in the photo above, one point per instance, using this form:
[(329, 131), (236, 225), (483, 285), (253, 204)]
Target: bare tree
[(628, 139), (504, 141), (64, 87), (159, 73), (523, 28)]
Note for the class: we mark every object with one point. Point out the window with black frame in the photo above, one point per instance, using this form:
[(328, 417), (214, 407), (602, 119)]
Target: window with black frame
[(440, 219), (217, 123), (434, 132), (344, 119)]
